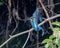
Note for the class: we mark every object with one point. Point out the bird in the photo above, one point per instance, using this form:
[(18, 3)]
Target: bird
[(34, 21)]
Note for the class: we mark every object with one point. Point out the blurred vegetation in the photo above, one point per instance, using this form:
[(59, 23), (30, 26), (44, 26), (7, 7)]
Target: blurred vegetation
[(1, 3), (54, 40)]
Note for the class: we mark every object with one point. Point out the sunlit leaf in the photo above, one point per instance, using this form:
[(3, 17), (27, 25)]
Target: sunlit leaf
[(52, 37), (57, 41), (59, 47), (45, 41), (47, 45), (56, 23), (55, 29)]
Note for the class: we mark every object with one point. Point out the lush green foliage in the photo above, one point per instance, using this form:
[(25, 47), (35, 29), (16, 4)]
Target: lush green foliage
[(54, 40)]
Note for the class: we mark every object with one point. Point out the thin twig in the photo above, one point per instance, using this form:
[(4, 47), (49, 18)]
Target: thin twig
[(26, 40), (37, 39), (37, 35), (15, 13), (47, 15), (9, 20), (24, 32)]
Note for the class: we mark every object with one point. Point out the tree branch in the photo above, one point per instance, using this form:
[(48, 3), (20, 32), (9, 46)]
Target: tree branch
[(24, 32), (47, 15)]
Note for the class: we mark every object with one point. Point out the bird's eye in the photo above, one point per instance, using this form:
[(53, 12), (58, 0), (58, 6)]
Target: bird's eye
[(32, 18)]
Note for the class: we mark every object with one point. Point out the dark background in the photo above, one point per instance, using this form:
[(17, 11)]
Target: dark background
[(30, 6)]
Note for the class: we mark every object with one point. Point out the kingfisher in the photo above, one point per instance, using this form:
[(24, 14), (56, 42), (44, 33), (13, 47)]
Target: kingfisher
[(34, 21)]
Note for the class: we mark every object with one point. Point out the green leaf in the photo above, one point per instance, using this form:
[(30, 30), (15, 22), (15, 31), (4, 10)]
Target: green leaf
[(56, 23), (59, 47), (52, 37), (57, 41), (47, 45), (55, 29), (45, 41)]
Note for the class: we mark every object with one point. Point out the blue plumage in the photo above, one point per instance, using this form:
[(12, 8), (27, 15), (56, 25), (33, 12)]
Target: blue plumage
[(34, 21)]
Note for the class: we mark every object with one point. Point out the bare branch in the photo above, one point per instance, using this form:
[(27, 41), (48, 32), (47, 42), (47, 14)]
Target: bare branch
[(9, 20), (47, 15), (24, 32)]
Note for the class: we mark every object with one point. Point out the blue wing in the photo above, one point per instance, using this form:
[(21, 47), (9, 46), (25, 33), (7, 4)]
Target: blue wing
[(34, 21), (40, 28)]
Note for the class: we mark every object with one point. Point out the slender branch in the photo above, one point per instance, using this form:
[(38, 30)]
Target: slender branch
[(53, 17), (17, 23), (24, 32), (37, 36), (47, 15), (9, 20), (15, 14), (26, 40)]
